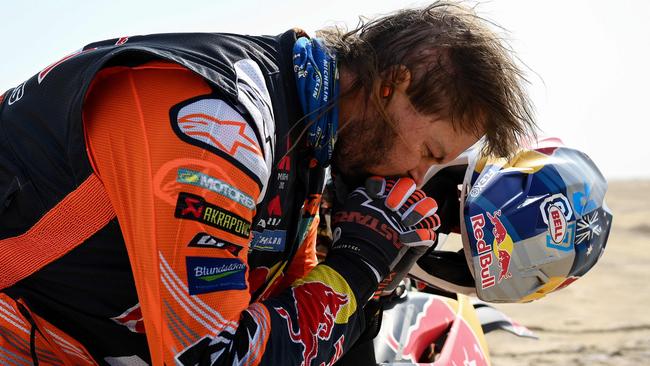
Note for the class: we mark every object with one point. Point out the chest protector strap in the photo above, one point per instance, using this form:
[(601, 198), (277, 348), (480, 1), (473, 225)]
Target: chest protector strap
[(76, 218)]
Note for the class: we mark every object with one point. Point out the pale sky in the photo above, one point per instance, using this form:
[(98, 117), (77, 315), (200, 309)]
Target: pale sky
[(590, 60)]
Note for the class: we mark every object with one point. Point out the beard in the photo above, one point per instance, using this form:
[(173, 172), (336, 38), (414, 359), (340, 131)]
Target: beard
[(361, 144)]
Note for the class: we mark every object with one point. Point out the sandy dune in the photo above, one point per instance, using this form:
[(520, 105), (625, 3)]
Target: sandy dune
[(604, 318)]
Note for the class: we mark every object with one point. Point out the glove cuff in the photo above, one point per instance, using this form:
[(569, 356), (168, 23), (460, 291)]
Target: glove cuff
[(364, 250), (360, 274)]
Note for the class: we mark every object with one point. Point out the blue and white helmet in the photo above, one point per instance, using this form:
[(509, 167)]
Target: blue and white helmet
[(530, 225)]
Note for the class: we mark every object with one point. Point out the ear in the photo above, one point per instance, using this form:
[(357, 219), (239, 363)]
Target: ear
[(397, 77)]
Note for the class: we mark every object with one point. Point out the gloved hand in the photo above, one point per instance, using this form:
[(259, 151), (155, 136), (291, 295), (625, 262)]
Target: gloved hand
[(378, 223)]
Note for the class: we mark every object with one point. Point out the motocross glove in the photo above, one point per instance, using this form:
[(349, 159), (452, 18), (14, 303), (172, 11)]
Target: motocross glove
[(377, 224), (415, 211)]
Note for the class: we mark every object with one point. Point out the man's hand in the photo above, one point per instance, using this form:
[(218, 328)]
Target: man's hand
[(380, 222)]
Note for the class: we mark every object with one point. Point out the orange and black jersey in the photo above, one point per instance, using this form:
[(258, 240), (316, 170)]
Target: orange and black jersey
[(203, 220)]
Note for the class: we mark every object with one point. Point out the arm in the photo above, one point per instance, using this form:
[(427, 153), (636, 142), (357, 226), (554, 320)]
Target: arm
[(188, 245)]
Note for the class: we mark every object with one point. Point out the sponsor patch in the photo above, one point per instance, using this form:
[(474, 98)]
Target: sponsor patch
[(192, 207), (556, 213), (484, 250), (557, 224), (206, 275), (212, 124), (215, 185), (269, 240), (205, 240)]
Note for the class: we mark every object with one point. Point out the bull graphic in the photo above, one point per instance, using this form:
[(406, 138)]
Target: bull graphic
[(317, 306), (504, 264), (498, 230)]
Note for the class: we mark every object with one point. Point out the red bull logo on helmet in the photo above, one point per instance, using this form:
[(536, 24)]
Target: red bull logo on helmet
[(499, 251), (317, 306), (502, 246)]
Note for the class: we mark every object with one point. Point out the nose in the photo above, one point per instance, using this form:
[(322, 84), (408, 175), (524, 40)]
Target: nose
[(419, 173)]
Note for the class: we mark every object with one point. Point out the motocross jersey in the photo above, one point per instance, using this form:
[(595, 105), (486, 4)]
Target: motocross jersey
[(204, 252)]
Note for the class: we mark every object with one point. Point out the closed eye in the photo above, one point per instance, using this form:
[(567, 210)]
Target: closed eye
[(429, 155), (426, 152)]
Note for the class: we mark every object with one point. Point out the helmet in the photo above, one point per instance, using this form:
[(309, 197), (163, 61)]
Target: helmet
[(530, 225)]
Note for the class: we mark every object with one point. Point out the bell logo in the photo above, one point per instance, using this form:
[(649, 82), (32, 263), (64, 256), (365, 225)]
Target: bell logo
[(557, 224)]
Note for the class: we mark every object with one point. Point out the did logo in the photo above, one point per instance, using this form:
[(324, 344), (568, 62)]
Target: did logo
[(205, 240)]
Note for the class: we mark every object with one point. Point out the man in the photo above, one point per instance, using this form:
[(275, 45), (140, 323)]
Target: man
[(160, 193)]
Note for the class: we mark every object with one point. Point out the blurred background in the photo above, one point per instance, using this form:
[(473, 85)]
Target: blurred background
[(588, 60), (588, 66)]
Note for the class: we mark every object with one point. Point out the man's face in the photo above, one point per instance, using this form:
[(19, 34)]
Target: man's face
[(367, 146)]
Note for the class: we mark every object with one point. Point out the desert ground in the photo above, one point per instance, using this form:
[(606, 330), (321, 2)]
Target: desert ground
[(602, 319)]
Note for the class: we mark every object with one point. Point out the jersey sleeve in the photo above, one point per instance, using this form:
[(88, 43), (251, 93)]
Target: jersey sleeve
[(184, 170), (305, 259)]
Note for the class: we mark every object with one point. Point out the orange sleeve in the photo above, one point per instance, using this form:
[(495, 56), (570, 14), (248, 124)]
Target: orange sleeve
[(305, 259), (172, 158), (184, 171)]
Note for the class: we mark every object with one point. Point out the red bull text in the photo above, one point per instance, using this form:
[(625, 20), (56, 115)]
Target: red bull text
[(484, 250)]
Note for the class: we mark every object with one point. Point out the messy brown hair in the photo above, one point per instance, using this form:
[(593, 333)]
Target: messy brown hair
[(460, 70)]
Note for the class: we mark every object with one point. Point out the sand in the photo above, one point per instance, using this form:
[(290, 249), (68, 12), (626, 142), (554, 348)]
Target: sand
[(602, 319)]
